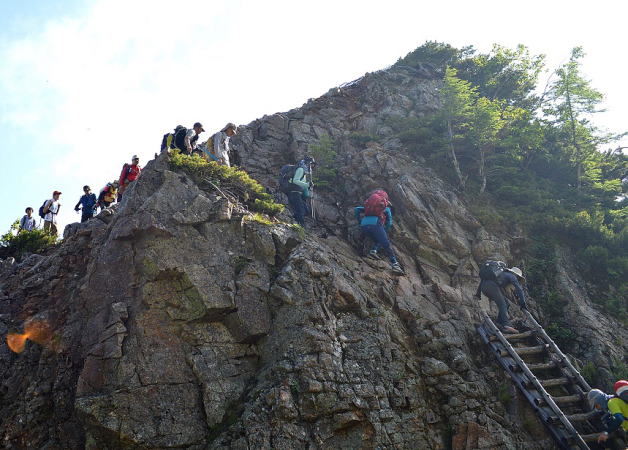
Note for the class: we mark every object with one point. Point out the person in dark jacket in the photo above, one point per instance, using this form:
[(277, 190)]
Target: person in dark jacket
[(89, 202), (506, 287)]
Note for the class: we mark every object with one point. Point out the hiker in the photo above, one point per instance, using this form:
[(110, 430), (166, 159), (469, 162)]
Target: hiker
[(377, 219), (89, 202), (108, 194), (129, 173), (499, 283), (293, 182), (615, 418), (185, 140), (221, 143), (27, 223), (49, 211), (167, 142)]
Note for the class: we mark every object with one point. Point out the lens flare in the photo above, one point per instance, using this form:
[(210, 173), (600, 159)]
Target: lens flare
[(36, 330)]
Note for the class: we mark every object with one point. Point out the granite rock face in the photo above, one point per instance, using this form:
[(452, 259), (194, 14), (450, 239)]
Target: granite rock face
[(181, 322)]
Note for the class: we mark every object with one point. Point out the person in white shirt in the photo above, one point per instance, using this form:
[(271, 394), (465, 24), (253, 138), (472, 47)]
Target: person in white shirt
[(28, 223), (51, 209), (191, 137), (221, 143)]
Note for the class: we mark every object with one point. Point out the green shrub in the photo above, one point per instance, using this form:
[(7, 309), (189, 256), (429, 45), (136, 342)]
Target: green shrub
[(326, 161), (19, 244), (232, 179)]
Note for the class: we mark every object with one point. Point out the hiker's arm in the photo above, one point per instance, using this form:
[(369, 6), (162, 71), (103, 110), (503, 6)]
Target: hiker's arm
[(47, 207), (22, 222), (357, 211), (519, 292), (76, 207), (296, 179), (388, 214)]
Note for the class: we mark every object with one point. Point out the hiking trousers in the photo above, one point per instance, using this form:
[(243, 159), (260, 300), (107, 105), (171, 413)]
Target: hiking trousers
[(297, 204), (378, 234), (50, 227), (494, 293)]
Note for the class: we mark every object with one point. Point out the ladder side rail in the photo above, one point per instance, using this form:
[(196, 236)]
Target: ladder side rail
[(559, 434), (574, 372), (548, 398)]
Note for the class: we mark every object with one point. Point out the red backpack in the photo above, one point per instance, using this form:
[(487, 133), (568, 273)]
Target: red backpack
[(376, 204)]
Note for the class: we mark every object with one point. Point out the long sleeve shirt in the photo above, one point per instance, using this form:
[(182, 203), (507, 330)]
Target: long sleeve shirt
[(373, 220), (88, 201), (299, 179)]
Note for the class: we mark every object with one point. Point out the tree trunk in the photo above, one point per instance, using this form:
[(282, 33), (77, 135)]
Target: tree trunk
[(482, 170), (453, 155)]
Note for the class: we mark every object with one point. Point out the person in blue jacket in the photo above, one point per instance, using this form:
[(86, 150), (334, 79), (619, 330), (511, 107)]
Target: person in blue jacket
[(374, 224), (89, 201)]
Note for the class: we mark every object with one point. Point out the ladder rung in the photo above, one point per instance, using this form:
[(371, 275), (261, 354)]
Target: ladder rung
[(590, 437), (526, 350), (514, 337), (543, 366), (572, 418), (555, 382), (560, 400), (567, 399)]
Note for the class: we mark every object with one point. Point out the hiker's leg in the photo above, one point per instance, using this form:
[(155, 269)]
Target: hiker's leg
[(494, 293), (379, 236), (47, 226), (297, 206), (85, 217)]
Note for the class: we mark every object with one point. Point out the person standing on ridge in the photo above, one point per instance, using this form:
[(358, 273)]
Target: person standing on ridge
[(221, 143), (28, 223), (377, 219), (497, 282), (293, 182), (50, 209), (89, 202), (130, 173)]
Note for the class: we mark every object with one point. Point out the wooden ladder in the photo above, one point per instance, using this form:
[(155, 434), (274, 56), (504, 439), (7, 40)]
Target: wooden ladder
[(564, 409)]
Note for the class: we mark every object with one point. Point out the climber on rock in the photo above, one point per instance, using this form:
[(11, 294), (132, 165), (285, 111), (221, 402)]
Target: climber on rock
[(294, 183), (130, 173), (108, 194), (220, 142), (615, 418), (499, 283), (377, 219)]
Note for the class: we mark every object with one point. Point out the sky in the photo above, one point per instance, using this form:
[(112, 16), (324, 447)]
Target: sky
[(84, 85)]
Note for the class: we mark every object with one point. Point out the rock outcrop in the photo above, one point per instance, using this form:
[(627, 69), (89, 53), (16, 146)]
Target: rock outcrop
[(182, 322)]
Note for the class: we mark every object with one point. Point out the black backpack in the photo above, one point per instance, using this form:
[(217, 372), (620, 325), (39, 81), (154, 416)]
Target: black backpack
[(42, 214), (490, 270), (179, 138), (286, 174)]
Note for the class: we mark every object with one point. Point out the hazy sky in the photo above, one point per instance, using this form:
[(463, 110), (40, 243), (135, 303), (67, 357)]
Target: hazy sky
[(86, 84)]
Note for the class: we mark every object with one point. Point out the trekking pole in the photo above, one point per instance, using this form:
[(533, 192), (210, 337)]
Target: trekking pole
[(312, 192)]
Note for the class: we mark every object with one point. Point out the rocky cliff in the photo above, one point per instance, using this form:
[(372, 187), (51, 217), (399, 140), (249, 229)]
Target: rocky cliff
[(181, 321)]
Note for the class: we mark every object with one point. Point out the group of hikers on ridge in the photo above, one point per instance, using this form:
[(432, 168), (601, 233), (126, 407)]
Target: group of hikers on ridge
[(216, 148), (88, 203)]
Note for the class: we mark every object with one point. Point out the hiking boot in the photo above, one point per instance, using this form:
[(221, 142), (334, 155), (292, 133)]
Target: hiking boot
[(396, 268), (509, 330), (373, 254)]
